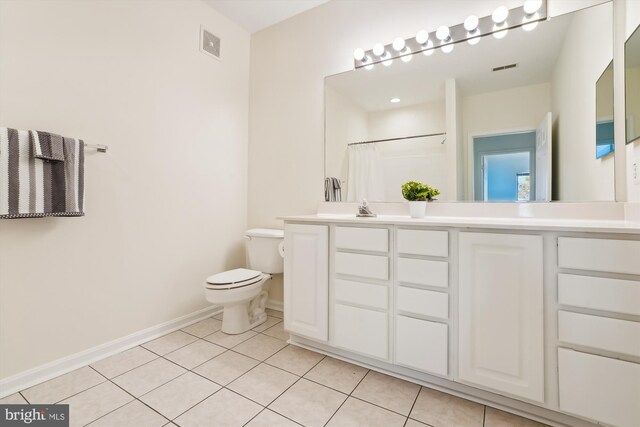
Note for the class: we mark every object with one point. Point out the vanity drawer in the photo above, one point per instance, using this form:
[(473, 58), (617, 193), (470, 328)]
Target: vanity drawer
[(599, 293), (599, 388), (362, 239), (422, 301), (368, 294), (422, 345), (611, 256), (423, 242), (369, 266), (620, 336), (423, 272), (361, 330)]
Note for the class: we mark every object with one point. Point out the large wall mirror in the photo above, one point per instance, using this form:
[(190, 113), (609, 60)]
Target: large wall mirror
[(632, 85), (509, 119)]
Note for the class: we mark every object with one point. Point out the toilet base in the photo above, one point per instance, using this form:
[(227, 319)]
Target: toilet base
[(239, 318)]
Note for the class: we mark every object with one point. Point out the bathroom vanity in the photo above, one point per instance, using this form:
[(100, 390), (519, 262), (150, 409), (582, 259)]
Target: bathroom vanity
[(536, 316)]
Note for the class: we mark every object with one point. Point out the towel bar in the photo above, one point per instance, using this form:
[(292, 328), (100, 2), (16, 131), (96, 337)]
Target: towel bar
[(100, 148)]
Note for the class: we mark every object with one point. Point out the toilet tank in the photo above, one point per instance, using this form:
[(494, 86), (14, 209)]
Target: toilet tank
[(263, 253)]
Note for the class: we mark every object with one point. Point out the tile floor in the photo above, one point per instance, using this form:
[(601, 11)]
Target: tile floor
[(200, 376)]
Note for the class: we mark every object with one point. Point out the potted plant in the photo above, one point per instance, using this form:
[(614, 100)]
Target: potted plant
[(418, 194)]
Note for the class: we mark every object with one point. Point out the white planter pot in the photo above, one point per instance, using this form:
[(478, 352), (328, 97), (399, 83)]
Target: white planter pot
[(417, 209)]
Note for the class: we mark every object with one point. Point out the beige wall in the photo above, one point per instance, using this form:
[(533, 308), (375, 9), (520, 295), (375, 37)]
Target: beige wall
[(585, 54), (348, 123), (166, 206), (500, 112)]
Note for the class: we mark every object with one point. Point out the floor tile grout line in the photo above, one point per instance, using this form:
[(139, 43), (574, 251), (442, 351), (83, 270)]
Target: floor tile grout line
[(415, 400), (484, 414), (175, 349), (130, 394), (22, 395), (125, 372), (74, 394), (348, 396), (287, 389), (378, 406), (193, 406)]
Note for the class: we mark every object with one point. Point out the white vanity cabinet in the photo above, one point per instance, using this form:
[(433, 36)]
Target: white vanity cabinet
[(360, 289), (543, 321), (422, 300), (500, 315), (599, 329), (306, 280)]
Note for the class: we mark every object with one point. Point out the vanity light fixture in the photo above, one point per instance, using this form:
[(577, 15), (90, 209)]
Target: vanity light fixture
[(426, 45), (378, 49), (531, 8), (499, 18), (400, 46), (473, 33), (446, 37)]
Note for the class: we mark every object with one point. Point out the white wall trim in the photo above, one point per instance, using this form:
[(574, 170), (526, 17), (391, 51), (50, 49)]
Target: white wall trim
[(275, 305), (39, 374)]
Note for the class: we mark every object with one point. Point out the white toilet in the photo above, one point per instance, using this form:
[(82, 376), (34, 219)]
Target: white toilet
[(242, 292)]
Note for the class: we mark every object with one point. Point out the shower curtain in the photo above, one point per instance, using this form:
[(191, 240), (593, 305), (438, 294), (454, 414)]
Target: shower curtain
[(366, 179)]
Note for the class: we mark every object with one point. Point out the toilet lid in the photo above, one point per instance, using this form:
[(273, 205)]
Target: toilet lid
[(236, 277)]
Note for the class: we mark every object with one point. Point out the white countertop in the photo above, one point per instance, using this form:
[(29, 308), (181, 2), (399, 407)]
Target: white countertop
[(548, 224)]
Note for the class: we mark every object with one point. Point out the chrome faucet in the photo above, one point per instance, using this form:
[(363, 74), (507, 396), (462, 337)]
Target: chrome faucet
[(364, 211)]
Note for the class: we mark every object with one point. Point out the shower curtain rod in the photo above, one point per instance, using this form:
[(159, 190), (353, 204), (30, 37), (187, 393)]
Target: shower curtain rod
[(401, 138)]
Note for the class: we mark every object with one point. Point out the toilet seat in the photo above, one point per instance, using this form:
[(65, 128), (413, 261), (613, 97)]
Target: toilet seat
[(233, 279)]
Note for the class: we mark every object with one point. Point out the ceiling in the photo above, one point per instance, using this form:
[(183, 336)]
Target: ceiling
[(255, 15)]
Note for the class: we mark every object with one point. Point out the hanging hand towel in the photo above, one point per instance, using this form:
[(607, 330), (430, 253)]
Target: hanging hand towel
[(47, 146), (31, 187)]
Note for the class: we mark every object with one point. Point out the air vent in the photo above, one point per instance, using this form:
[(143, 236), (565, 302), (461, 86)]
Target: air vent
[(505, 67), (209, 43)]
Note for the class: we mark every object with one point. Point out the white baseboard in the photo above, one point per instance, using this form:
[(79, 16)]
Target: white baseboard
[(69, 363), (275, 305)]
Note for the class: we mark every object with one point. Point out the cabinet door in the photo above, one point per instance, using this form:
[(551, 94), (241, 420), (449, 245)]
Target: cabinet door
[(306, 280), (500, 337)]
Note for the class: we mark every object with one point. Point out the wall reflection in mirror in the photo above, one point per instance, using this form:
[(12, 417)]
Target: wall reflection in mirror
[(632, 86), (509, 119), (604, 113)]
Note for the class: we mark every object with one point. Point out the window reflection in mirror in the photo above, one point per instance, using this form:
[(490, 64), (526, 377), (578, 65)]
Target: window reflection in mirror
[(471, 93), (632, 85), (604, 113)]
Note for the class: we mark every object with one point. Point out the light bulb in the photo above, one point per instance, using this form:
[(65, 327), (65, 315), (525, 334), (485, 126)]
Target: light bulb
[(475, 39), (500, 15), (394, 100), (406, 57), (446, 48), (471, 23), (532, 6), (398, 44), (358, 54), (369, 67), (429, 48), (378, 49), (442, 33), (386, 59), (422, 37), (498, 33), (530, 26)]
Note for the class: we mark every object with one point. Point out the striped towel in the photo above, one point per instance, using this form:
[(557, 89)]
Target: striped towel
[(31, 187), (332, 190), (47, 146)]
